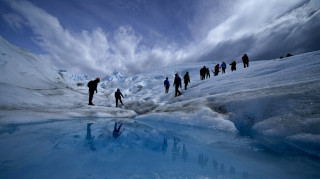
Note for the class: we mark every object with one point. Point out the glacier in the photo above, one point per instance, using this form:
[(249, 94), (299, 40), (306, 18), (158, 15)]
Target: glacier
[(258, 122)]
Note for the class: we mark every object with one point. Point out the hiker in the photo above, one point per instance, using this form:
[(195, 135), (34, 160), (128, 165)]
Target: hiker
[(207, 73), (289, 55), (92, 87), (186, 79), (223, 67), (118, 95), (245, 60), (216, 70), (203, 72), (177, 84), (116, 130), (166, 84), (233, 66)]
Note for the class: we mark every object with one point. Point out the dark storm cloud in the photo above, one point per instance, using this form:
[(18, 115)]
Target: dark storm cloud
[(293, 32)]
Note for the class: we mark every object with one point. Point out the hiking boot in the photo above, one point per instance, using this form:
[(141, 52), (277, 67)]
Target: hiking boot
[(91, 104)]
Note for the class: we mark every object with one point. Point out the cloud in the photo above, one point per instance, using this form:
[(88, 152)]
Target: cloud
[(14, 20), (263, 30), (95, 52)]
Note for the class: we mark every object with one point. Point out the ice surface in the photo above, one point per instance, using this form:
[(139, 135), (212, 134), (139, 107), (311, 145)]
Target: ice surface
[(247, 122)]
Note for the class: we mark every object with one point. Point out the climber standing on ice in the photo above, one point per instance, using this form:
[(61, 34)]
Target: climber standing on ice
[(216, 70), (92, 88), (223, 67), (186, 79), (166, 84), (177, 84), (233, 66), (118, 95), (245, 60)]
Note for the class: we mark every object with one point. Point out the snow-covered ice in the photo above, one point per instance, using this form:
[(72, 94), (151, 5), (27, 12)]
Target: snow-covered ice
[(258, 122)]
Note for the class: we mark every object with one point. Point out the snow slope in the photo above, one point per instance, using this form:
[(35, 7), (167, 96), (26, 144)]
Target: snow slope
[(32, 89), (278, 99), (275, 101)]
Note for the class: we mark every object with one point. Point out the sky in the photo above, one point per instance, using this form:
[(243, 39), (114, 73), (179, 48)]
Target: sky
[(96, 37)]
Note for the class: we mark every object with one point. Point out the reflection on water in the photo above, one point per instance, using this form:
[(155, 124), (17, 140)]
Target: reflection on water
[(90, 138), (215, 165), (116, 130), (203, 160), (184, 154), (140, 152), (245, 175), (175, 149), (222, 169), (10, 129), (232, 170), (164, 146)]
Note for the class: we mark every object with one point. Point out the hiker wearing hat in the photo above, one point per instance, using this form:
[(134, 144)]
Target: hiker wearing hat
[(118, 95), (177, 84), (92, 87), (166, 84)]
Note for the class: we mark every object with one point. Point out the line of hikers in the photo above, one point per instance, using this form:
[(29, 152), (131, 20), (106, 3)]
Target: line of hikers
[(204, 73), (177, 83)]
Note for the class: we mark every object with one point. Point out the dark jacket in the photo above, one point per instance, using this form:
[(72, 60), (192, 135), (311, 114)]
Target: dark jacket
[(186, 78), (93, 85), (234, 63), (217, 67), (177, 81), (245, 58), (166, 83), (118, 94)]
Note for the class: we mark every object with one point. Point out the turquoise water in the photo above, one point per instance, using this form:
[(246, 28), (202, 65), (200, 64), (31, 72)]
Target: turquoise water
[(73, 149)]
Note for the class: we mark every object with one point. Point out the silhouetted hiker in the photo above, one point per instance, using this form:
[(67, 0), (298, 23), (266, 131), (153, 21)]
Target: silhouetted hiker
[(245, 60), (92, 87), (289, 55), (177, 84), (116, 131), (166, 84), (207, 72), (203, 72), (233, 66), (186, 79), (216, 70), (118, 95), (223, 67)]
